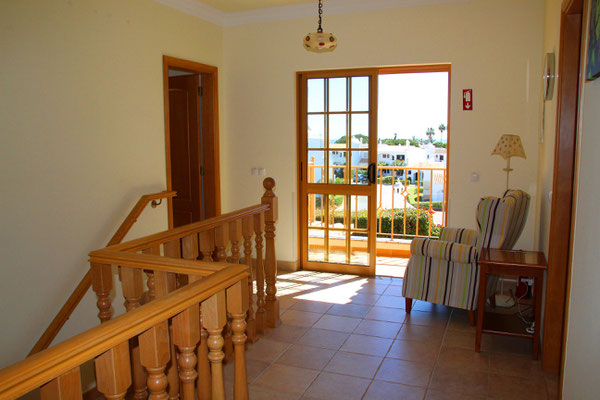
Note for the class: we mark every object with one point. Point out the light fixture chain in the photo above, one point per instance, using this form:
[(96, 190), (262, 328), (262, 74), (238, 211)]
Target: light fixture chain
[(320, 30)]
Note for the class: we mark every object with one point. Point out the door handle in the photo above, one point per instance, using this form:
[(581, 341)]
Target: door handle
[(371, 173)]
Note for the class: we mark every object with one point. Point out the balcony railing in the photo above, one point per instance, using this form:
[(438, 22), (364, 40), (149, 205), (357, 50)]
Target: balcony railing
[(411, 201)]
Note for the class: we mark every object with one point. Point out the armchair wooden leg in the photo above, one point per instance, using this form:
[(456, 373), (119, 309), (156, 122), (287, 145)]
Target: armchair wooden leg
[(471, 317), (408, 304)]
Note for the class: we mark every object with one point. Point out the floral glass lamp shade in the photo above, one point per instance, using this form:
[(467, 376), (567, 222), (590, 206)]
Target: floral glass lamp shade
[(319, 41), (509, 146)]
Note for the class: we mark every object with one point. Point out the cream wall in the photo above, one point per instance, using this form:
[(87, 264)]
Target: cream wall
[(495, 49), (582, 353), (81, 117)]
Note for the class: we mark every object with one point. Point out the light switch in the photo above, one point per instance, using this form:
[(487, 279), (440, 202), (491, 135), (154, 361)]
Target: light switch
[(474, 177), (262, 171)]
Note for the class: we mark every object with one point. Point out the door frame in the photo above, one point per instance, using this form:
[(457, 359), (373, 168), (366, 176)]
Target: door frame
[(210, 130), (301, 99)]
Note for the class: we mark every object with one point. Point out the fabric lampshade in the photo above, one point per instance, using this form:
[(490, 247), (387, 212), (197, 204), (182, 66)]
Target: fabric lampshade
[(509, 146)]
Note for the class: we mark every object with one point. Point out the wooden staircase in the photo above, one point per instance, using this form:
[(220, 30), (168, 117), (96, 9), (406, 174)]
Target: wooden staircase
[(200, 311)]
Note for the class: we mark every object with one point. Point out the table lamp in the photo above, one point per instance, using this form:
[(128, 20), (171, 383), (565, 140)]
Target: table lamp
[(509, 146)]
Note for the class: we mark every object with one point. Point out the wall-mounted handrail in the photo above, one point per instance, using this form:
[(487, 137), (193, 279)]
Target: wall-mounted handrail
[(67, 309), (29, 374)]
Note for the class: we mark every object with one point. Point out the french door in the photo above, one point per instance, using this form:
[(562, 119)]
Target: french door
[(338, 156)]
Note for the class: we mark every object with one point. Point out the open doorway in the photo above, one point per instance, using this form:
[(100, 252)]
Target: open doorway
[(191, 140), (412, 160)]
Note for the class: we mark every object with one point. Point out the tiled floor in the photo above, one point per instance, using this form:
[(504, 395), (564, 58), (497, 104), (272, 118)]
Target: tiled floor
[(346, 337)]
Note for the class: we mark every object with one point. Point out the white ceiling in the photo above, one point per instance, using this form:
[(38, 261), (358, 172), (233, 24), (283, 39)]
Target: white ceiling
[(240, 12)]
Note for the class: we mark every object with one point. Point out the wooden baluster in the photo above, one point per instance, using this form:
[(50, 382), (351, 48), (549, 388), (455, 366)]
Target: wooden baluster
[(155, 354), (221, 239), (154, 250), (65, 387), (204, 385), (259, 224), (272, 303), (113, 375), (247, 231), (207, 244), (214, 316), (133, 289), (172, 369), (165, 283), (237, 306), (173, 249), (102, 283), (186, 334), (235, 234), (189, 247)]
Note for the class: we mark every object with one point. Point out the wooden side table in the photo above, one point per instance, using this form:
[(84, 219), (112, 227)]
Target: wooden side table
[(510, 262)]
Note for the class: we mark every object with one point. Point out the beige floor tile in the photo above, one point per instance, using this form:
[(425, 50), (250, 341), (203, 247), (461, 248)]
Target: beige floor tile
[(258, 393), (253, 369), (336, 323), (391, 301), (393, 291), (410, 350), (517, 388), (300, 318), (378, 328), (386, 314), (286, 379), (393, 391), (373, 287), (459, 321), (330, 386), (302, 356), (431, 307), (427, 319), (405, 372), (285, 333), (464, 359), (358, 365), (369, 345), (454, 380), (464, 340), (506, 344), (515, 365), (265, 350), (367, 299), (397, 281), (349, 310), (438, 395), (421, 333), (311, 306), (324, 338)]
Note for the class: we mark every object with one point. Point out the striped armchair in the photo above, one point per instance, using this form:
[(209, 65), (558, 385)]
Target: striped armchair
[(446, 271)]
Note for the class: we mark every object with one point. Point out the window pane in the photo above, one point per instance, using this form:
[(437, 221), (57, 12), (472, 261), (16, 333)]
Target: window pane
[(337, 211), (316, 245), (337, 129), (337, 166), (360, 93), (337, 94), (316, 166), (315, 95), (359, 249), (316, 131), (337, 247), (316, 211), (359, 130), (359, 166)]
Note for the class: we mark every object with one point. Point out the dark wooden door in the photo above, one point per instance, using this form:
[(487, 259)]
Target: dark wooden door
[(185, 146)]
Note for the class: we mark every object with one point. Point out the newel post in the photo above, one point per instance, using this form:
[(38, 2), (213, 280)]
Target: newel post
[(271, 215)]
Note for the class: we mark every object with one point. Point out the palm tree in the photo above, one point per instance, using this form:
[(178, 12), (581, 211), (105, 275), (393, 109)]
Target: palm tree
[(430, 132), (442, 128)]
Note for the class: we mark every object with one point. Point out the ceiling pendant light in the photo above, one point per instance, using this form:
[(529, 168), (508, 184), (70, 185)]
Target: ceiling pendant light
[(318, 41)]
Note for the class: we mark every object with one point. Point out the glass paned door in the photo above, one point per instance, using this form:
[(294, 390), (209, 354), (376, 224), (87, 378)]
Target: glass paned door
[(337, 177)]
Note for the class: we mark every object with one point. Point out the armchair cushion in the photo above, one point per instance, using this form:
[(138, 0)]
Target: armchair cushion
[(448, 251), (459, 235)]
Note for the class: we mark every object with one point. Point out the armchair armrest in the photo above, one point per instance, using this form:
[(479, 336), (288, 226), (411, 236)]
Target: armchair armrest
[(454, 252), (459, 235)]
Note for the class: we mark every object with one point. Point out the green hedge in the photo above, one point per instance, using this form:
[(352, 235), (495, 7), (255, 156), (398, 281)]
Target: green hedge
[(386, 221)]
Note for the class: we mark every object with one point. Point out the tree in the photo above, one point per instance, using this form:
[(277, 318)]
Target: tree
[(341, 140), (442, 128), (399, 163), (430, 132)]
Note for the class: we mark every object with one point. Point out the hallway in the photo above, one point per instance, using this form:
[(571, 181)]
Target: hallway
[(347, 337)]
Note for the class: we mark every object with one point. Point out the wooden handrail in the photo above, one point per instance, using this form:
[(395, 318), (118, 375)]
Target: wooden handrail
[(185, 230), (34, 371), (156, 263), (67, 309)]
